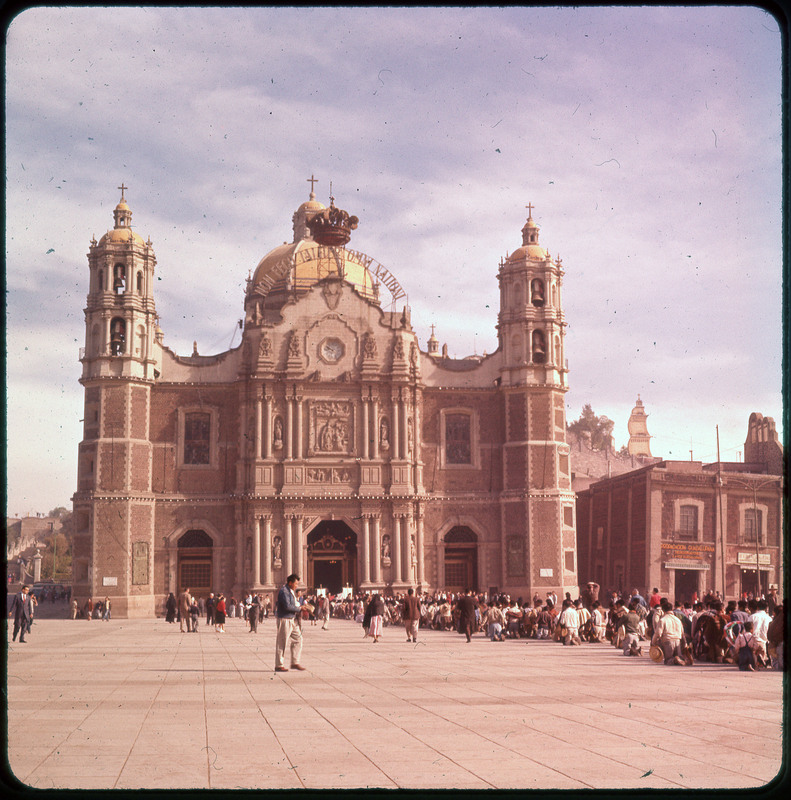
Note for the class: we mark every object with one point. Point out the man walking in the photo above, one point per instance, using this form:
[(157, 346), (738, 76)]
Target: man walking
[(289, 630), (411, 615), (211, 604), (22, 609), (466, 605), (185, 603)]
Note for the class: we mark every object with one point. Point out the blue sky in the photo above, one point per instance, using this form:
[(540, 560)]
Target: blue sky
[(648, 140)]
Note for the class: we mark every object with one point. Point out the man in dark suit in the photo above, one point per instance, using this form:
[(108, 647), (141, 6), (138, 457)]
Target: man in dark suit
[(411, 615), (22, 609), (466, 605)]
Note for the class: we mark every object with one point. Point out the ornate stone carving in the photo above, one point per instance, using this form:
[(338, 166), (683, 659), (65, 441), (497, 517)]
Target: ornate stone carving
[(386, 549), (277, 434), (384, 434), (369, 347), (331, 427), (331, 291), (293, 345), (277, 551), (265, 347), (398, 350)]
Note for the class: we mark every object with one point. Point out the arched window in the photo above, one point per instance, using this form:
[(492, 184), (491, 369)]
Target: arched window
[(539, 347), (119, 278), (117, 336), (537, 292), (140, 283), (195, 538), (100, 281), (518, 299)]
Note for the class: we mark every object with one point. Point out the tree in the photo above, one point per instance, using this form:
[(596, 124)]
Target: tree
[(597, 429), (59, 512)]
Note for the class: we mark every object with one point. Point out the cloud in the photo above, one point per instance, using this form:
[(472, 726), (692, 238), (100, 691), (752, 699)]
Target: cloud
[(647, 139)]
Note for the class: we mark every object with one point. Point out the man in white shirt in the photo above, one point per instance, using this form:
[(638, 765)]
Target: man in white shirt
[(760, 620), (667, 634)]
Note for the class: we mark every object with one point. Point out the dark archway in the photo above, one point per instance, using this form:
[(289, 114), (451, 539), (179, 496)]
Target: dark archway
[(461, 559), (332, 556), (195, 562)]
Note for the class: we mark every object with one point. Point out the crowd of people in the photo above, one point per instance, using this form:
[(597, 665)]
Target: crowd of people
[(748, 633)]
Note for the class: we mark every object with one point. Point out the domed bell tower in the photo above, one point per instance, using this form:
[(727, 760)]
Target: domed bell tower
[(113, 505), (537, 503), (120, 317)]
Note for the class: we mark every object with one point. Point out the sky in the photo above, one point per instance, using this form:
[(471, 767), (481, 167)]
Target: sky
[(648, 141)]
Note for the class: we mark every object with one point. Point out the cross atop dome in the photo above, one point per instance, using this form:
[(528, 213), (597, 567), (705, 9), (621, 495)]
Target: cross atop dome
[(123, 189), (311, 180)]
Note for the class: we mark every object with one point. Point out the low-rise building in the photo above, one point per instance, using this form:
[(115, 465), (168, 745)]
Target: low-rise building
[(686, 527)]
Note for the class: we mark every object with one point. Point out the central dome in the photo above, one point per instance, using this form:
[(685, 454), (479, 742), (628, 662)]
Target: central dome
[(298, 266)]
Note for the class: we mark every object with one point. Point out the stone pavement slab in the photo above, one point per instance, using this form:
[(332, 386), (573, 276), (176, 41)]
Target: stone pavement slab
[(136, 704)]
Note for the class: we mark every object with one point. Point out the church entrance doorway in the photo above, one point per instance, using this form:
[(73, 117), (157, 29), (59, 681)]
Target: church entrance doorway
[(461, 559), (332, 556), (195, 563)]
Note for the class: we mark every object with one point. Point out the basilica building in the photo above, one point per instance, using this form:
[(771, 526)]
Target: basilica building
[(328, 443)]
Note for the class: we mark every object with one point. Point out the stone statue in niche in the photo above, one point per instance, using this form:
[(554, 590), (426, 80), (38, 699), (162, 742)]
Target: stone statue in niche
[(410, 436), (293, 345), (412, 550), (384, 434), (386, 548), (369, 347), (277, 550), (413, 355), (277, 438), (265, 347), (398, 350)]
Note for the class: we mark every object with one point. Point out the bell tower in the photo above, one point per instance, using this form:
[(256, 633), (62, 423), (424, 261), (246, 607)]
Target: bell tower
[(113, 505), (537, 503), (120, 317)]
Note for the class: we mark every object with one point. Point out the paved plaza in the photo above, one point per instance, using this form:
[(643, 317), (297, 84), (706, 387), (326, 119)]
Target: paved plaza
[(136, 704)]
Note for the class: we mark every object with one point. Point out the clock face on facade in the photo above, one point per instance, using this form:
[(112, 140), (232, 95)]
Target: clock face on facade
[(331, 350)]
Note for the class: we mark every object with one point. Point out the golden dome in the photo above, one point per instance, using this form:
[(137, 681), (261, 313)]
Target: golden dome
[(532, 251), (301, 265), (120, 236)]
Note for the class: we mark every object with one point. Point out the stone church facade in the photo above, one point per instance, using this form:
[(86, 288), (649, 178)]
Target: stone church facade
[(327, 443)]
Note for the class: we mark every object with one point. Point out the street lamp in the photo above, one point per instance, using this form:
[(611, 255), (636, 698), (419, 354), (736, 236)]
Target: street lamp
[(754, 487)]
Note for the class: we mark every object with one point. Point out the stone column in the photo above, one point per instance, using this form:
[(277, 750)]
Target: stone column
[(288, 549), (289, 428), (376, 549), (406, 550), (258, 421), (257, 552), (268, 427), (375, 425), (396, 442), (365, 578), (267, 548), (298, 401), (419, 546), (397, 571), (366, 430)]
